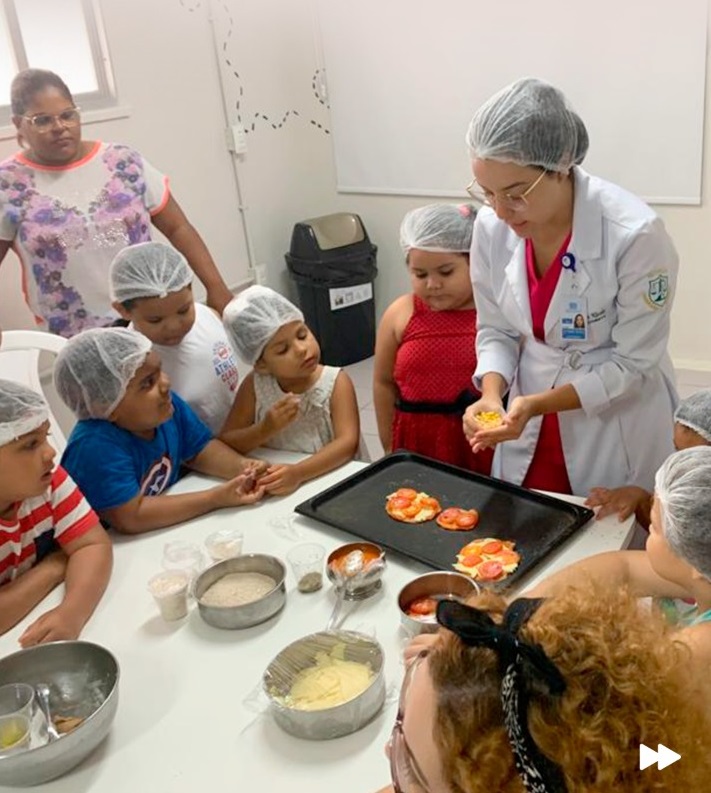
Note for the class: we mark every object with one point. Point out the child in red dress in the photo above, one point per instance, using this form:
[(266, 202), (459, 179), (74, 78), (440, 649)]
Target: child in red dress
[(425, 348)]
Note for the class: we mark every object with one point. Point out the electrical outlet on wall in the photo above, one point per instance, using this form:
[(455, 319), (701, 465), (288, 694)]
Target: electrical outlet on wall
[(236, 136), (261, 275)]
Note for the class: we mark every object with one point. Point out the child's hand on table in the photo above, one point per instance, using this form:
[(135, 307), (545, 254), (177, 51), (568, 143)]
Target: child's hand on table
[(58, 624), (622, 501), (280, 480), (243, 489), (254, 468)]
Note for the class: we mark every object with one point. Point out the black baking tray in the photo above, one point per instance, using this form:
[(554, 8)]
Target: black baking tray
[(536, 523)]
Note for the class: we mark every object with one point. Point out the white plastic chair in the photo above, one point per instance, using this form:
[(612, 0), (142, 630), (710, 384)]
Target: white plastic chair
[(20, 361)]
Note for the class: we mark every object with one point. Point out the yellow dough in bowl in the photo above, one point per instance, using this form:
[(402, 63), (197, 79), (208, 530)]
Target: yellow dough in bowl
[(330, 682)]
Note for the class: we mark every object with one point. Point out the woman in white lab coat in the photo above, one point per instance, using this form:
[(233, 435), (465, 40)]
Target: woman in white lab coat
[(590, 404)]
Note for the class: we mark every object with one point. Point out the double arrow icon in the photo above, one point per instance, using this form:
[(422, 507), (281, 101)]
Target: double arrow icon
[(662, 757)]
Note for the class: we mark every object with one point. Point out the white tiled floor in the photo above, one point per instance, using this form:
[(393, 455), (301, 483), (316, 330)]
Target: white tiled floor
[(361, 374), (688, 381)]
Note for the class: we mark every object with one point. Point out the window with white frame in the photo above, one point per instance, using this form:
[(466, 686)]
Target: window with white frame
[(64, 36)]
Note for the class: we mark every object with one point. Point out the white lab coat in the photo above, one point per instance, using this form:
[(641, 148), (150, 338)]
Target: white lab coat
[(625, 269)]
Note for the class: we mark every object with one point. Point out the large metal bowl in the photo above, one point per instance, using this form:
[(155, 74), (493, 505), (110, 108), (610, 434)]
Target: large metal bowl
[(436, 585), (319, 725), (234, 617), (83, 681)]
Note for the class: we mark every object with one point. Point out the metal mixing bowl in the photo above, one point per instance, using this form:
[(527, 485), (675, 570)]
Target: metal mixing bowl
[(83, 681), (333, 722), (233, 617), (436, 585)]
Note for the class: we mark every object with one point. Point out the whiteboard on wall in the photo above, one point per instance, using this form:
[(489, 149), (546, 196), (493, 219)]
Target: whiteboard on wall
[(405, 77)]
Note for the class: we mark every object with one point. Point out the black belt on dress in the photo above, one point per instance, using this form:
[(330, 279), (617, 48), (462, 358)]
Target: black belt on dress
[(460, 404)]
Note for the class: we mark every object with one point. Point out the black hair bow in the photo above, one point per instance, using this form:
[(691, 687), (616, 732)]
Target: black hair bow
[(523, 666)]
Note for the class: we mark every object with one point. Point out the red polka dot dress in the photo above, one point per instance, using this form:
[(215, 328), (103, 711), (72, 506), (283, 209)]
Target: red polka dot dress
[(433, 374)]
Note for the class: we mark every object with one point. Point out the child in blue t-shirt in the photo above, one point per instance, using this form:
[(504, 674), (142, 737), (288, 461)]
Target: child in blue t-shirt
[(134, 435)]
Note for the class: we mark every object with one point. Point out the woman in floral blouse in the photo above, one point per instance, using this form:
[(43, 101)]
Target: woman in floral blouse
[(68, 205)]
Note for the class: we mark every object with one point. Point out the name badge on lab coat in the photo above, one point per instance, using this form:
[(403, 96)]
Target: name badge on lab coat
[(574, 320)]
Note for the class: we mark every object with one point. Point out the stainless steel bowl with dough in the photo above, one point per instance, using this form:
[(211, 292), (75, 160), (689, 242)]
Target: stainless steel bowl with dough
[(326, 685)]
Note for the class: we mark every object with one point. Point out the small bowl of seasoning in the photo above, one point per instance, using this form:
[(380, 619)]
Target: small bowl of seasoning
[(306, 562)]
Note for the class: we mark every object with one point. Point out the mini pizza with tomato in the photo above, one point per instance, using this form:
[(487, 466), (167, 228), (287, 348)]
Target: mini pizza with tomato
[(410, 506), (488, 559), (458, 519)]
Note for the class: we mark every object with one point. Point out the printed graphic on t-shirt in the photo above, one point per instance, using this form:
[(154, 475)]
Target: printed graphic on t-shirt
[(157, 478), (223, 360)]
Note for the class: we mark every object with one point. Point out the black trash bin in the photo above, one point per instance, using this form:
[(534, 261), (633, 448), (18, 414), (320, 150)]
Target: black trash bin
[(333, 264)]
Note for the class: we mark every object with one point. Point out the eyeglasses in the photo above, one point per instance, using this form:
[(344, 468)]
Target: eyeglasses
[(405, 773), (43, 122), (516, 203)]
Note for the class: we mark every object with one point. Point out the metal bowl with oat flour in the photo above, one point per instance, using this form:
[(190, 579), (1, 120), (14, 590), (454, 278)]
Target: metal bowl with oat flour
[(247, 614), (329, 722)]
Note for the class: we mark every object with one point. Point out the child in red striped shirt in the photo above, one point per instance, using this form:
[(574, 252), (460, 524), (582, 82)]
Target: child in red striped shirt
[(48, 532)]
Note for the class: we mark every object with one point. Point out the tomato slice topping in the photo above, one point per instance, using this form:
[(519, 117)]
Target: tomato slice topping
[(491, 547), (399, 503), (467, 520), (422, 606), (410, 512), (490, 570), (471, 560), (428, 501), (406, 492), (450, 513)]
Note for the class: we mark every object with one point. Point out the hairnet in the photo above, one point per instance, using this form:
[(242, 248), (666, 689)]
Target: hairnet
[(94, 368), (148, 269), (694, 412), (529, 122), (683, 493), (254, 316), (22, 410), (439, 228)]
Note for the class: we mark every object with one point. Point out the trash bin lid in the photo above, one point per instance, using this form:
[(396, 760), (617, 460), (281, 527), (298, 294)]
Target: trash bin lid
[(336, 230)]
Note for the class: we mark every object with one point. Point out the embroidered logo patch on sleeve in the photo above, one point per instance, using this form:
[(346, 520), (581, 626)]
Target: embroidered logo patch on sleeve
[(657, 290)]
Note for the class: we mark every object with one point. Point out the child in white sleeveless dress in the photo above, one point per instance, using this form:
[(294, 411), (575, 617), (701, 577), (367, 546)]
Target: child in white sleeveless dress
[(290, 401)]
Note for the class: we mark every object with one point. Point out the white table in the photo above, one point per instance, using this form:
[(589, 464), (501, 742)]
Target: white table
[(183, 725)]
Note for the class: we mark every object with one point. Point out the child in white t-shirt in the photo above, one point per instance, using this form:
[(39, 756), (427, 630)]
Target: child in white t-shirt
[(290, 401), (151, 286)]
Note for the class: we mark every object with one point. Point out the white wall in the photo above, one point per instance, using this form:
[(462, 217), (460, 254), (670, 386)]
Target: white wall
[(289, 174), (166, 74), (165, 69)]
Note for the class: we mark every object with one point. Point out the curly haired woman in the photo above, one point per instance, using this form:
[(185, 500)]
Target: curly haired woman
[(551, 696)]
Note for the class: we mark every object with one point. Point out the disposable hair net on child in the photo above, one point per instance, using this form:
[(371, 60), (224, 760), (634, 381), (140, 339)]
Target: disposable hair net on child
[(22, 410), (682, 489), (149, 269), (94, 368), (694, 412), (439, 228), (254, 316), (529, 122)]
